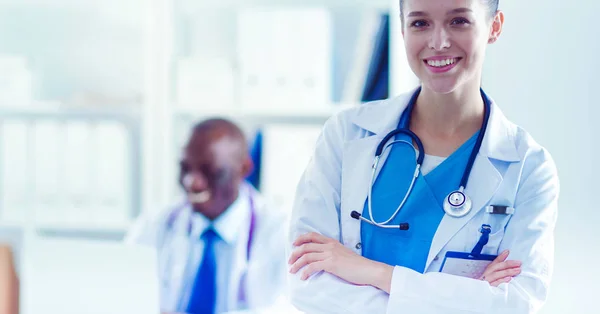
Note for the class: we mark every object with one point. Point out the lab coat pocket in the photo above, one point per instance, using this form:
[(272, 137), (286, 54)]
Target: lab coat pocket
[(496, 222), (493, 245)]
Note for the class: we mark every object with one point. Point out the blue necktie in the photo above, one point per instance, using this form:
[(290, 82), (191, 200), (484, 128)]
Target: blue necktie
[(204, 293)]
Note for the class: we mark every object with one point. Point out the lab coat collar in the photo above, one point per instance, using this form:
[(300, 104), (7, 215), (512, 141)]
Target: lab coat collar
[(229, 223), (381, 117)]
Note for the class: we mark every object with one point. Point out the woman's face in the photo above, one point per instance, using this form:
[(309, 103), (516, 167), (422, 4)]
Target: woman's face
[(445, 41)]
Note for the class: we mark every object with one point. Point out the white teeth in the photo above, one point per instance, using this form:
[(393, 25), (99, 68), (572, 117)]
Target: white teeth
[(199, 198), (441, 63)]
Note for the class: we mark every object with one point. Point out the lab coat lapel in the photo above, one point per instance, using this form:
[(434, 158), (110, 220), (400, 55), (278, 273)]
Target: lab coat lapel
[(357, 173), (178, 255), (376, 120), (240, 264), (482, 185), (498, 144)]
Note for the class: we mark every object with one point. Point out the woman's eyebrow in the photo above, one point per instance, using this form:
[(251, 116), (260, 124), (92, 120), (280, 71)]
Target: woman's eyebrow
[(453, 11)]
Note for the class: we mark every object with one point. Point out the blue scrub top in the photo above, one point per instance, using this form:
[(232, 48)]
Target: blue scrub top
[(423, 209)]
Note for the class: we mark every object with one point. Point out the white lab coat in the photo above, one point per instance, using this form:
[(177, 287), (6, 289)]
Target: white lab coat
[(510, 169), (265, 271)]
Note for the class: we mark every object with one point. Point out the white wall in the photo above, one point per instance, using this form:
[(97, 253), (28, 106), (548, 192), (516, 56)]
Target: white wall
[(543, 72)]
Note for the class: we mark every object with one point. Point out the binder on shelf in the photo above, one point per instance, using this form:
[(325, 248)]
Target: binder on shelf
[(113, 174), (377, 82), (285, 59), (46, 154), (368, 77), (256, 148), (15, 190), (205, 83), (354, 81)]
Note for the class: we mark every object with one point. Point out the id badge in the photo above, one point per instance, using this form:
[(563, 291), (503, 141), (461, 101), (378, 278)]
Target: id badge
[(465, 264)]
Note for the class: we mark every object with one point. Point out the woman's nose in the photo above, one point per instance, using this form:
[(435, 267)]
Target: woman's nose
[(440, 39)]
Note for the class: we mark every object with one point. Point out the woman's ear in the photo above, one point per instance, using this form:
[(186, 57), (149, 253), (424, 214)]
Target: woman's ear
[(496, 28)]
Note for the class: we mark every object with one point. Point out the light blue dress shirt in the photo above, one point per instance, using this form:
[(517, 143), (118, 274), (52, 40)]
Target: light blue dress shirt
[(227, 226)]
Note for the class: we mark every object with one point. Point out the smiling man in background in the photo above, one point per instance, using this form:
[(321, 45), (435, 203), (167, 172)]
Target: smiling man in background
[(222, 249)]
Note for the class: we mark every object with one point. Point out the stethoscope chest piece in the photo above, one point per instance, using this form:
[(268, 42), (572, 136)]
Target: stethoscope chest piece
[(457, 204)]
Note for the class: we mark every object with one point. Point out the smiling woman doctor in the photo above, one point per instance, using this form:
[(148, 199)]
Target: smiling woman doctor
[(407, 201)]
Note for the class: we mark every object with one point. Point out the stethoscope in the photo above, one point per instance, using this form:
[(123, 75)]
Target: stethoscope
[(457, 204)]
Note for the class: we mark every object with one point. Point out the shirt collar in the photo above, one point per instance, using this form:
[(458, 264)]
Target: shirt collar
[(229, 223)]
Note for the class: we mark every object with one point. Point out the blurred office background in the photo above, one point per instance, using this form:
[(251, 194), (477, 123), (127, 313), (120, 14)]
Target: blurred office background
[(96, 99)]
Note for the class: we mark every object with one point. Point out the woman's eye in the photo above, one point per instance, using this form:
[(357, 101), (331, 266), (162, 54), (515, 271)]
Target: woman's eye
[(459, 21), (418, 24)]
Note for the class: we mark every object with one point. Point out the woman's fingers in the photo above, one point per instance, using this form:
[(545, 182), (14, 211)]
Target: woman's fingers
[(311, 237), (500, 281), (500, 270), (303, 249), (500, 263), (306, 259), (313, 268), (502, 266), (502, 274), (501, 257), (494, 264)]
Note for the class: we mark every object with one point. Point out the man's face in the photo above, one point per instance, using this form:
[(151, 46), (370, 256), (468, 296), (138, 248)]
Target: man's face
[(211, 169)]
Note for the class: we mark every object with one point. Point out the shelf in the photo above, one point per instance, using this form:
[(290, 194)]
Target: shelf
[(10, 225), (125, 113), (222, 3), (192, 6), (57, 3), (294, 116), (71, 227), (83, 228)]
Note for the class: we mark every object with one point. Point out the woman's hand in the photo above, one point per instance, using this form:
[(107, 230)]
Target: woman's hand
[(501, 270), (320, 253)]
